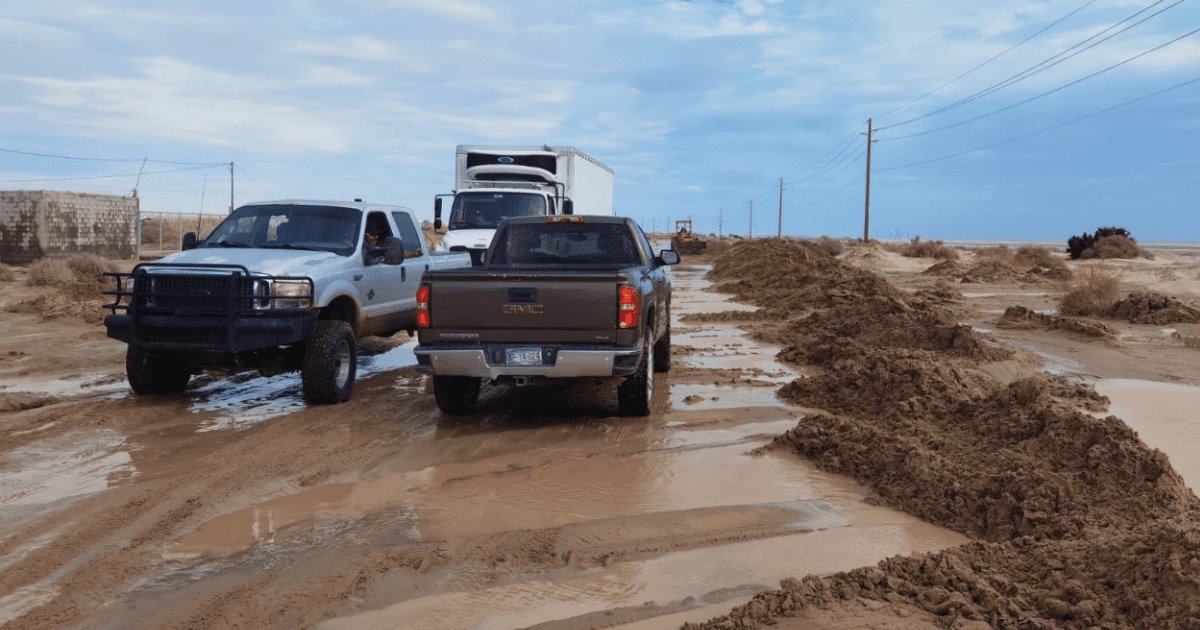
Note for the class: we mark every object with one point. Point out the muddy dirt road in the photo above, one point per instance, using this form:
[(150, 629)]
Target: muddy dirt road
[(235, 505)]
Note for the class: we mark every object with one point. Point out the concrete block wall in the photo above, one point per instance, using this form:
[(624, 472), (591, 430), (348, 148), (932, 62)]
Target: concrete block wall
[(54, 224)]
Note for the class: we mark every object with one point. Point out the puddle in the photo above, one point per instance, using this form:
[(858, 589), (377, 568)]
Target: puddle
[(43, 476), (722, 396), (1165, 417), (239, 402), (706, 575), (986, 294), (25, 599), (82, 385)]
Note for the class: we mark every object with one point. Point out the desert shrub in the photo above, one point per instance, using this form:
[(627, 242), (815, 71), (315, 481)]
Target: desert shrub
[(1077, 245), (50, 272), (1115, 246), (7, 274), (89, 267), (916, 248), (1043, 262), (1093, 292), (831, 246)]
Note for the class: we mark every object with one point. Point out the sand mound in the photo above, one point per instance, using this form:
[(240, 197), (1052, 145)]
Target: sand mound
[(1021, 318), (1154, 308), (1001, 264), (1140, 579), (1083, 524), (994, 463)]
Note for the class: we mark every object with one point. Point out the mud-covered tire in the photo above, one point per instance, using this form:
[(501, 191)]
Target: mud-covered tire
[(456, 395), (635, 393), (662, 349), (152, 373), (330, 363)]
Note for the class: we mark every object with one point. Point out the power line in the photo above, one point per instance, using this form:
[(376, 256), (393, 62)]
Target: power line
[(1043, 94), (1042, 130), (847, 152), (988, 60), (254, 181), (112, 176), (838, 148), (833, 174), (1041, 66), (94, 159)]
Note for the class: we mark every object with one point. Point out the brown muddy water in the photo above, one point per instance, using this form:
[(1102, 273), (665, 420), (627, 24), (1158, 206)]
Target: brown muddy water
[(544, 507)]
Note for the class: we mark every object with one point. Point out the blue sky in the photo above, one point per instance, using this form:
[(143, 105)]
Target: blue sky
[(699, 106)]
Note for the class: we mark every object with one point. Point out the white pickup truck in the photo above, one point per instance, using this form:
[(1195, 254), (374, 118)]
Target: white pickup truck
[(277, 286)]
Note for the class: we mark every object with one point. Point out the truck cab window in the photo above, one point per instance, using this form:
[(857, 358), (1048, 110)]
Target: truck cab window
[(485, 210)]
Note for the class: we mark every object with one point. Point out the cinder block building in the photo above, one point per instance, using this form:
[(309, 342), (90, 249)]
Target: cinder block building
[(49, 224)]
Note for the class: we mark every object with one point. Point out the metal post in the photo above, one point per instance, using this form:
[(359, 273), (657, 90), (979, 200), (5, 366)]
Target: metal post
[(160, 225), (779, 228), (867, 199), (231, 187)]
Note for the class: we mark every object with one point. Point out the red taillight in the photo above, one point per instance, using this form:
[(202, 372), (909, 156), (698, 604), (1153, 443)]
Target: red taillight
[(627, 307), (423, 306)]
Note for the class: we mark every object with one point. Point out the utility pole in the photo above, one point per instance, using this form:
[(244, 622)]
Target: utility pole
[(779, 226), (751, 219), (720, 222), (231, 187), (867, 199)]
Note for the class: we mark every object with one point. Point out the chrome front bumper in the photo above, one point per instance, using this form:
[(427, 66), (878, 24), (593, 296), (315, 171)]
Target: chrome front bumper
[(567, 363)]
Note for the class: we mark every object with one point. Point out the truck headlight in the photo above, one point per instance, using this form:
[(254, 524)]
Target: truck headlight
[(293, 294)]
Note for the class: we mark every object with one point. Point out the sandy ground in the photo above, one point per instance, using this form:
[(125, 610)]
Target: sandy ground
[(864, 434)]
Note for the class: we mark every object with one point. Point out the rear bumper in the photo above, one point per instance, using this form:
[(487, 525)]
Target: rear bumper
[(559, 362)]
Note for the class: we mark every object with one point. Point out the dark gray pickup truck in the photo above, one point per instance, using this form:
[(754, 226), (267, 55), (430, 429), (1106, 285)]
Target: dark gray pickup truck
[(570, 296)]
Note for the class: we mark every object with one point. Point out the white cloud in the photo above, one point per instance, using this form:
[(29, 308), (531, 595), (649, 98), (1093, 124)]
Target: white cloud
[(360, 47), (454, 9)]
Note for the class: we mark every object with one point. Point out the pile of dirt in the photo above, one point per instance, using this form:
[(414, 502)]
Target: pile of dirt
[(1002, 264), (992, 462), (1079, 522), (1144, 307), (1022, 318), (80, 302), (1144, 578), (788, 277)]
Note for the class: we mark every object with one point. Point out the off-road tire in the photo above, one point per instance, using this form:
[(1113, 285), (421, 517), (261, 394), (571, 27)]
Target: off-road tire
[(456, 395), (330, 363), (152, 374), (662, 349), (634, 394)]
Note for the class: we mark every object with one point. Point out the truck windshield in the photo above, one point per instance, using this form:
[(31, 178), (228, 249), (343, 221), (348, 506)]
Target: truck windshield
[(320, 228), (488, 209), (598, 245)]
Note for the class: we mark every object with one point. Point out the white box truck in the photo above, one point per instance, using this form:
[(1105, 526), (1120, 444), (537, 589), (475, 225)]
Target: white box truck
[(497, 183)]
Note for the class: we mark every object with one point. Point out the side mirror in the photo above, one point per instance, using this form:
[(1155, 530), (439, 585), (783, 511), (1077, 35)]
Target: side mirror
[(189, 241), (668, 257), (392, 250), (437, 213), (568, 206)]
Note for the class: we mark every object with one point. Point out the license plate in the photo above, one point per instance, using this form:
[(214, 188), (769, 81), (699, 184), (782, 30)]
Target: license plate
[(523, 356)]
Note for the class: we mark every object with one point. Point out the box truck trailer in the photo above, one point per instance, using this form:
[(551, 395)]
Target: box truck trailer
[(497, 183)]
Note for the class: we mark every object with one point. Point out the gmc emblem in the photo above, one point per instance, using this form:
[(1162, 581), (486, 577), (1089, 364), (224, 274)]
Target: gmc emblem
[(523, 309)]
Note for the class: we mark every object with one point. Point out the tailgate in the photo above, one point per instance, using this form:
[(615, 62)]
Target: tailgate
[(553, 307)]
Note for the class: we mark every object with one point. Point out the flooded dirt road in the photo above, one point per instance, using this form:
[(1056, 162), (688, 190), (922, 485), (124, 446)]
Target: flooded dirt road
[(237, 505)]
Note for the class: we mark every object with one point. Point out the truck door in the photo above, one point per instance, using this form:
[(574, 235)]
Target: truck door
[(415, 260), (381, 290)]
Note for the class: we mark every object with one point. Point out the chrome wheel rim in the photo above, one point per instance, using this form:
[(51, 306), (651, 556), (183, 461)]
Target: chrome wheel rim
[(342, 356)]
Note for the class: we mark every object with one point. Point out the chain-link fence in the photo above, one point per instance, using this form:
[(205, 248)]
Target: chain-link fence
[(162, 232)]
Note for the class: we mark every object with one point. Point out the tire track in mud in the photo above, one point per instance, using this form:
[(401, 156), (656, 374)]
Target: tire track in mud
[(112, 538)]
